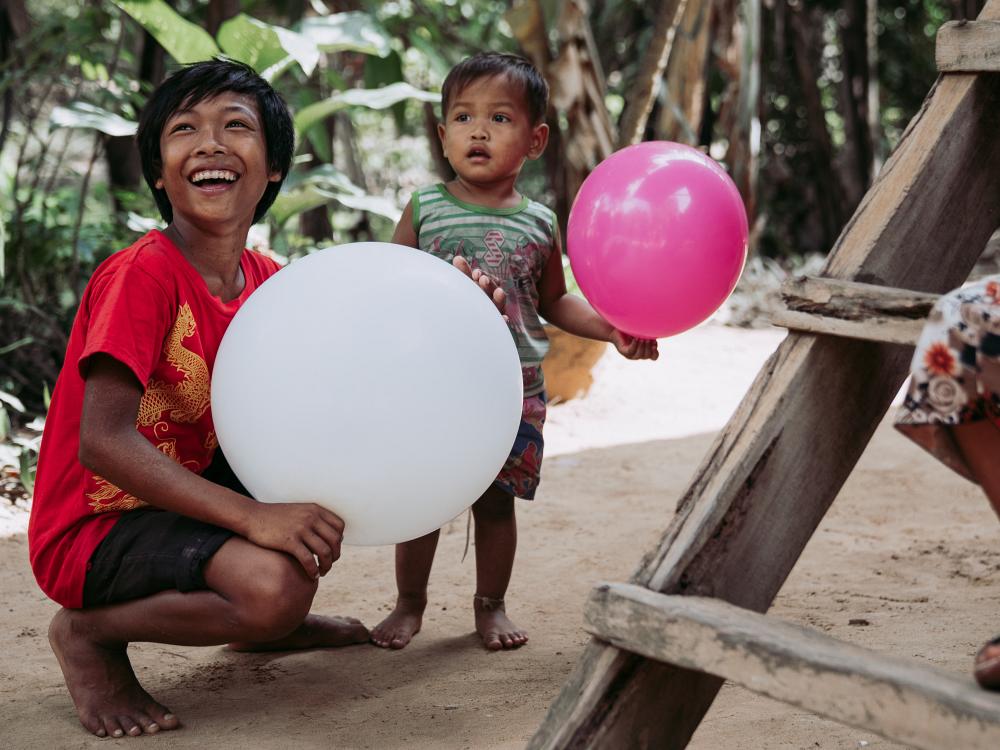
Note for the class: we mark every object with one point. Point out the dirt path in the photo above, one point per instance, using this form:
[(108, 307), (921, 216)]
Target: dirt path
[(908, 547)]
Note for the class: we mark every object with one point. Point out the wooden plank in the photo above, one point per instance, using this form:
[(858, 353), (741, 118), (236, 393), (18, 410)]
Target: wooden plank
[(875, 328), (904, 701), (850, 299), (968, 47), (847, 308), (773, 471)]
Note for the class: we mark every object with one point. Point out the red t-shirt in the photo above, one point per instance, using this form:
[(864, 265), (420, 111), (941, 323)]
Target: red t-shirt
[(149, 308)]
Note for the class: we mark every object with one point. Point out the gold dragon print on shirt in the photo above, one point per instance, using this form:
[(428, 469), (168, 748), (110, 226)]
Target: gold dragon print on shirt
[(162, 403), (186, 400)]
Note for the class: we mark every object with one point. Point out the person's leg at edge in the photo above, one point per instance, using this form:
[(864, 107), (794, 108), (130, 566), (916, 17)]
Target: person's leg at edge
[(980, 444), (496, 543), (255, 596), (413, 569)]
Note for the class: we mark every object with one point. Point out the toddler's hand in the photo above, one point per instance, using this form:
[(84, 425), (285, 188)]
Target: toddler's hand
[(310, 533), (634, 348), (486, 283)]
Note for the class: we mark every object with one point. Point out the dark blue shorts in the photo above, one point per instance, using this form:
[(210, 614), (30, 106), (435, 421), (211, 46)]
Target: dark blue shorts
[(150, 550), (523, 469)]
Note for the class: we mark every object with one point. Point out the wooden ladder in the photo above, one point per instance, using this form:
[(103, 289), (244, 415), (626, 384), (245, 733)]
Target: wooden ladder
[(691, 616)]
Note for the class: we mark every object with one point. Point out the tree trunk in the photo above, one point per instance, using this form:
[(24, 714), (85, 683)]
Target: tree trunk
[(807, 43), (121, 153), (654, 61), (874, 103), (151, 64), (315, 223), (577, 88), (744, 134), (220, 11), (683, 96), (857, 151), (14, 23)]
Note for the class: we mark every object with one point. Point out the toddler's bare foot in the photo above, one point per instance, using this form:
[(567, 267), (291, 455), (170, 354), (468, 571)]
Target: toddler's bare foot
[(493, 625), (108, 698), (316, 631), (398, 629)]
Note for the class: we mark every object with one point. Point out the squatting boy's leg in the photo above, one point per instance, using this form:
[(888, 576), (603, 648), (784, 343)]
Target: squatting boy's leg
[(256, 595)]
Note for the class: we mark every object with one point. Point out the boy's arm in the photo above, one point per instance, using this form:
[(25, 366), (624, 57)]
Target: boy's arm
[(575, 315), (405, 234), (111, 447)]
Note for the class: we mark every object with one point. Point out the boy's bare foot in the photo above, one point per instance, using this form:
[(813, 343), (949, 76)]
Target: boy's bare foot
[(493, 625), (398, 629), (108, 698), (316, 631)]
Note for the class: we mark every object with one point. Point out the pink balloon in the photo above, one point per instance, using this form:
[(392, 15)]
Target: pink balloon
[(657, 238)]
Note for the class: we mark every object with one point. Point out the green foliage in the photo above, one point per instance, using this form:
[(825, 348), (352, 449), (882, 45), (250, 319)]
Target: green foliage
[(317, 187), (348, 32), (88, 117), (379, 98), (77, 84), (268, 49), (184, 41), (28, 467)]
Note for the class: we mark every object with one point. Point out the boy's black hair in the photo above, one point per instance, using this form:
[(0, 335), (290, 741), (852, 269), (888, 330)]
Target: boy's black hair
[(515, 68), (203, 80)]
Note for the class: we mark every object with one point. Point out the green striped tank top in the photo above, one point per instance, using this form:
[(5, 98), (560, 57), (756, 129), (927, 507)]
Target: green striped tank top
[(510, 244)]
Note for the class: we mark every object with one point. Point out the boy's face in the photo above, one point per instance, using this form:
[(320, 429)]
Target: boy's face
[(488, 131), (214, 160)]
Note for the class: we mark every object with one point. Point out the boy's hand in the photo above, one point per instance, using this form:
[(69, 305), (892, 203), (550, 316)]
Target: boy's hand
[(634, 348), (310, 533), (486, 283)]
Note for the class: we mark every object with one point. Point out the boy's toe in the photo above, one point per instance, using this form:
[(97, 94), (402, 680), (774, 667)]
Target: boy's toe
[(156, 717), (167, 720), (93, 724), (146, 724), (111, 726)]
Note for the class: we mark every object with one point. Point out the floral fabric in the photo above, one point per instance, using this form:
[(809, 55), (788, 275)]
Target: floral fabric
[(522, 470), (955, 373)]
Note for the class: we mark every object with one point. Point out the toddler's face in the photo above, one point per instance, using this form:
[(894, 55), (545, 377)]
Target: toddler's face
[(488, 133), (214, 160)]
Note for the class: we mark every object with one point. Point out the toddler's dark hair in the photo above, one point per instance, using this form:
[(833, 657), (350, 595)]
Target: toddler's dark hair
[(515, 68), (196, 83)]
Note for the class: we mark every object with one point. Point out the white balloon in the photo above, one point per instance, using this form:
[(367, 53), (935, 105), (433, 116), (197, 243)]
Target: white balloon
[(371, 378)]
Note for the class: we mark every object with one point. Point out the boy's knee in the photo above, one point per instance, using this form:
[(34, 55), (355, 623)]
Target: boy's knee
[(494, 503), (277, 598)]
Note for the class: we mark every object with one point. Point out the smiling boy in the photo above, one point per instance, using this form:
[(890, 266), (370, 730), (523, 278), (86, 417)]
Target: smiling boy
[(127, 531)]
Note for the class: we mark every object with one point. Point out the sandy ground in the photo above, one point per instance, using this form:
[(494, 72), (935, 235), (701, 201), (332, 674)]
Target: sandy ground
[(908, 547)]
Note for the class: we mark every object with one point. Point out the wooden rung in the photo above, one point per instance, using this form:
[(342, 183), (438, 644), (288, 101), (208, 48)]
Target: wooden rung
[(885, 330), (853, 310), (902, 700), (968, 47)]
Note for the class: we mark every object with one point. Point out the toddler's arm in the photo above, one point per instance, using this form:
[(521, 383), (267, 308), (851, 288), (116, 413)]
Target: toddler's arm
[(405, 234), (575, 315), (111, 447)]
